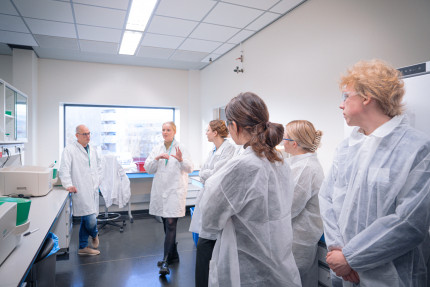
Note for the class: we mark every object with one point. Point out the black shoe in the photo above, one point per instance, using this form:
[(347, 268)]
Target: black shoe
[(164, 269), (170, 260)]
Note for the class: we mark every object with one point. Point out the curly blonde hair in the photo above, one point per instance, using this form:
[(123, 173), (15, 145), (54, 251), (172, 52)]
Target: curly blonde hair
[(304, 134), (378, 80)]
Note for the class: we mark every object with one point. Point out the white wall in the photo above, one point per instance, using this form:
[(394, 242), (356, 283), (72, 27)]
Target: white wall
[(295, 63), (6, 68), (93, 83)]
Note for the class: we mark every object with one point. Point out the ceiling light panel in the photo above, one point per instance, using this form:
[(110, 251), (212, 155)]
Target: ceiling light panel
[(232, 15), (285, 5), (12, 23), (99, 34), (97, 16), (51, 28), (213, 32), (98, 47), (170, 26), (130, 41), (116, 4), (195, 9), (263, 21), (264, 5), (56, 42), (155, 40), (46, 10), (199, 45), (17, 38)]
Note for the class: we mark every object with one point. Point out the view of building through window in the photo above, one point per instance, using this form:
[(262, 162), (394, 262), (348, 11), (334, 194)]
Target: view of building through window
[(128, 132)]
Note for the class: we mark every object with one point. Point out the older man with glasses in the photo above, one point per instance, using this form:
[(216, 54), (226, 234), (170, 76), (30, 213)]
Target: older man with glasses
[(80, 172)]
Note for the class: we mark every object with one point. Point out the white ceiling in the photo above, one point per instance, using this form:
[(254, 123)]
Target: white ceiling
[(182, 34)]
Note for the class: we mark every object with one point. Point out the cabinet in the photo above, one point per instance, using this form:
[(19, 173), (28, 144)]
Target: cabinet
[(63, 226), (13, 114)]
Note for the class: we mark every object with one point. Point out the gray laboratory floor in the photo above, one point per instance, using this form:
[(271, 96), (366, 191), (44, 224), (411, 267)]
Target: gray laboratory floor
[(129, 258)]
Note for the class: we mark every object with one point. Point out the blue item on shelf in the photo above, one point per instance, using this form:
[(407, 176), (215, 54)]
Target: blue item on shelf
[(195, 235)]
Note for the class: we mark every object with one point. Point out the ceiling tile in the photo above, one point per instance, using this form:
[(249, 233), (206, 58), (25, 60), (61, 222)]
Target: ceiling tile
[(170, 26), (51, 28), (116, 4), (211, 57), (12, 23), (155, 40), (199, 45), (224, 48), (152, 52), (264, 5), (213, 32), (195, 9), (56, 42), (188, 56), (241, 36), (17, 38), (285, 5), (99, 34), (232, 15), (45, 9), (7, 7), (263, 21), (102, 17), (99, 47)]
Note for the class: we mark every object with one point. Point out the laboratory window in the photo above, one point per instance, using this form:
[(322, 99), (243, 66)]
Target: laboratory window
[(130, 132)]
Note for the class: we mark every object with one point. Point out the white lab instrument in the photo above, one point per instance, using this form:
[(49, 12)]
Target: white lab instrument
[(25, 180), (10, 232)]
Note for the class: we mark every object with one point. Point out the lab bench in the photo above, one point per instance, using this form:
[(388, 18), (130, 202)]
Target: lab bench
[(44, 214)]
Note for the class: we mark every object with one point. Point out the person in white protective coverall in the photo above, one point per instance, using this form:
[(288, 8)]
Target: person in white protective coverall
[(301, 140), (223, 151), (375, 200), (171, 164), (247, 203), (80, 173)]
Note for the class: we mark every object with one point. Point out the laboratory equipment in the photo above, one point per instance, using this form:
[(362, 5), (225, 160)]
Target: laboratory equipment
[(10, 230), (25, 180)]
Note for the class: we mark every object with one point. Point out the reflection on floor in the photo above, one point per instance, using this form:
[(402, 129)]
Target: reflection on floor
[(130, 258)]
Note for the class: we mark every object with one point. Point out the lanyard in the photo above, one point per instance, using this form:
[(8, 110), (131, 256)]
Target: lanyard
[(170, 149)]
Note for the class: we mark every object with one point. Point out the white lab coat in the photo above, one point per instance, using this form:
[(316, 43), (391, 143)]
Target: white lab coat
[(170, 184), (248, 203), (375, 204), (115, 185), (306, 220), (81, 170), (216, 159)]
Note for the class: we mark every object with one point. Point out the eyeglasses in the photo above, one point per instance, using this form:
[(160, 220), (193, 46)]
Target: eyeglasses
[(84, 134), (290, 140), (228, 122), (346, 95)]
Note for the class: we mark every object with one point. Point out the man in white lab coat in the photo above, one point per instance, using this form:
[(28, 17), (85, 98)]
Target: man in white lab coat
[(80, 172)]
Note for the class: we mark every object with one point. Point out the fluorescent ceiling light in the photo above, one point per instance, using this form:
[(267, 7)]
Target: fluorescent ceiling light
[(140, 12), (129, 43)]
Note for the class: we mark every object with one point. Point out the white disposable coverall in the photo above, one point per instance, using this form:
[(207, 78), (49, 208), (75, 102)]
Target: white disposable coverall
[(216, 159), (306, 220), (81, 170), (170, 184), (375, 204), (115, 185), (248, 203)]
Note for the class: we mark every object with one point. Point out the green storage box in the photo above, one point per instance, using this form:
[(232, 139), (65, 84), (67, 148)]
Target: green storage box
[(23, 208)]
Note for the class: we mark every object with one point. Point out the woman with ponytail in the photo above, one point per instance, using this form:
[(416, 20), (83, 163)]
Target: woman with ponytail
[(301, 140), (247, 204)]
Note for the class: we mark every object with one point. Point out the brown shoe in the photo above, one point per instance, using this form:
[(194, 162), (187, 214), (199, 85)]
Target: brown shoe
[(95, 241), (88, 251)]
